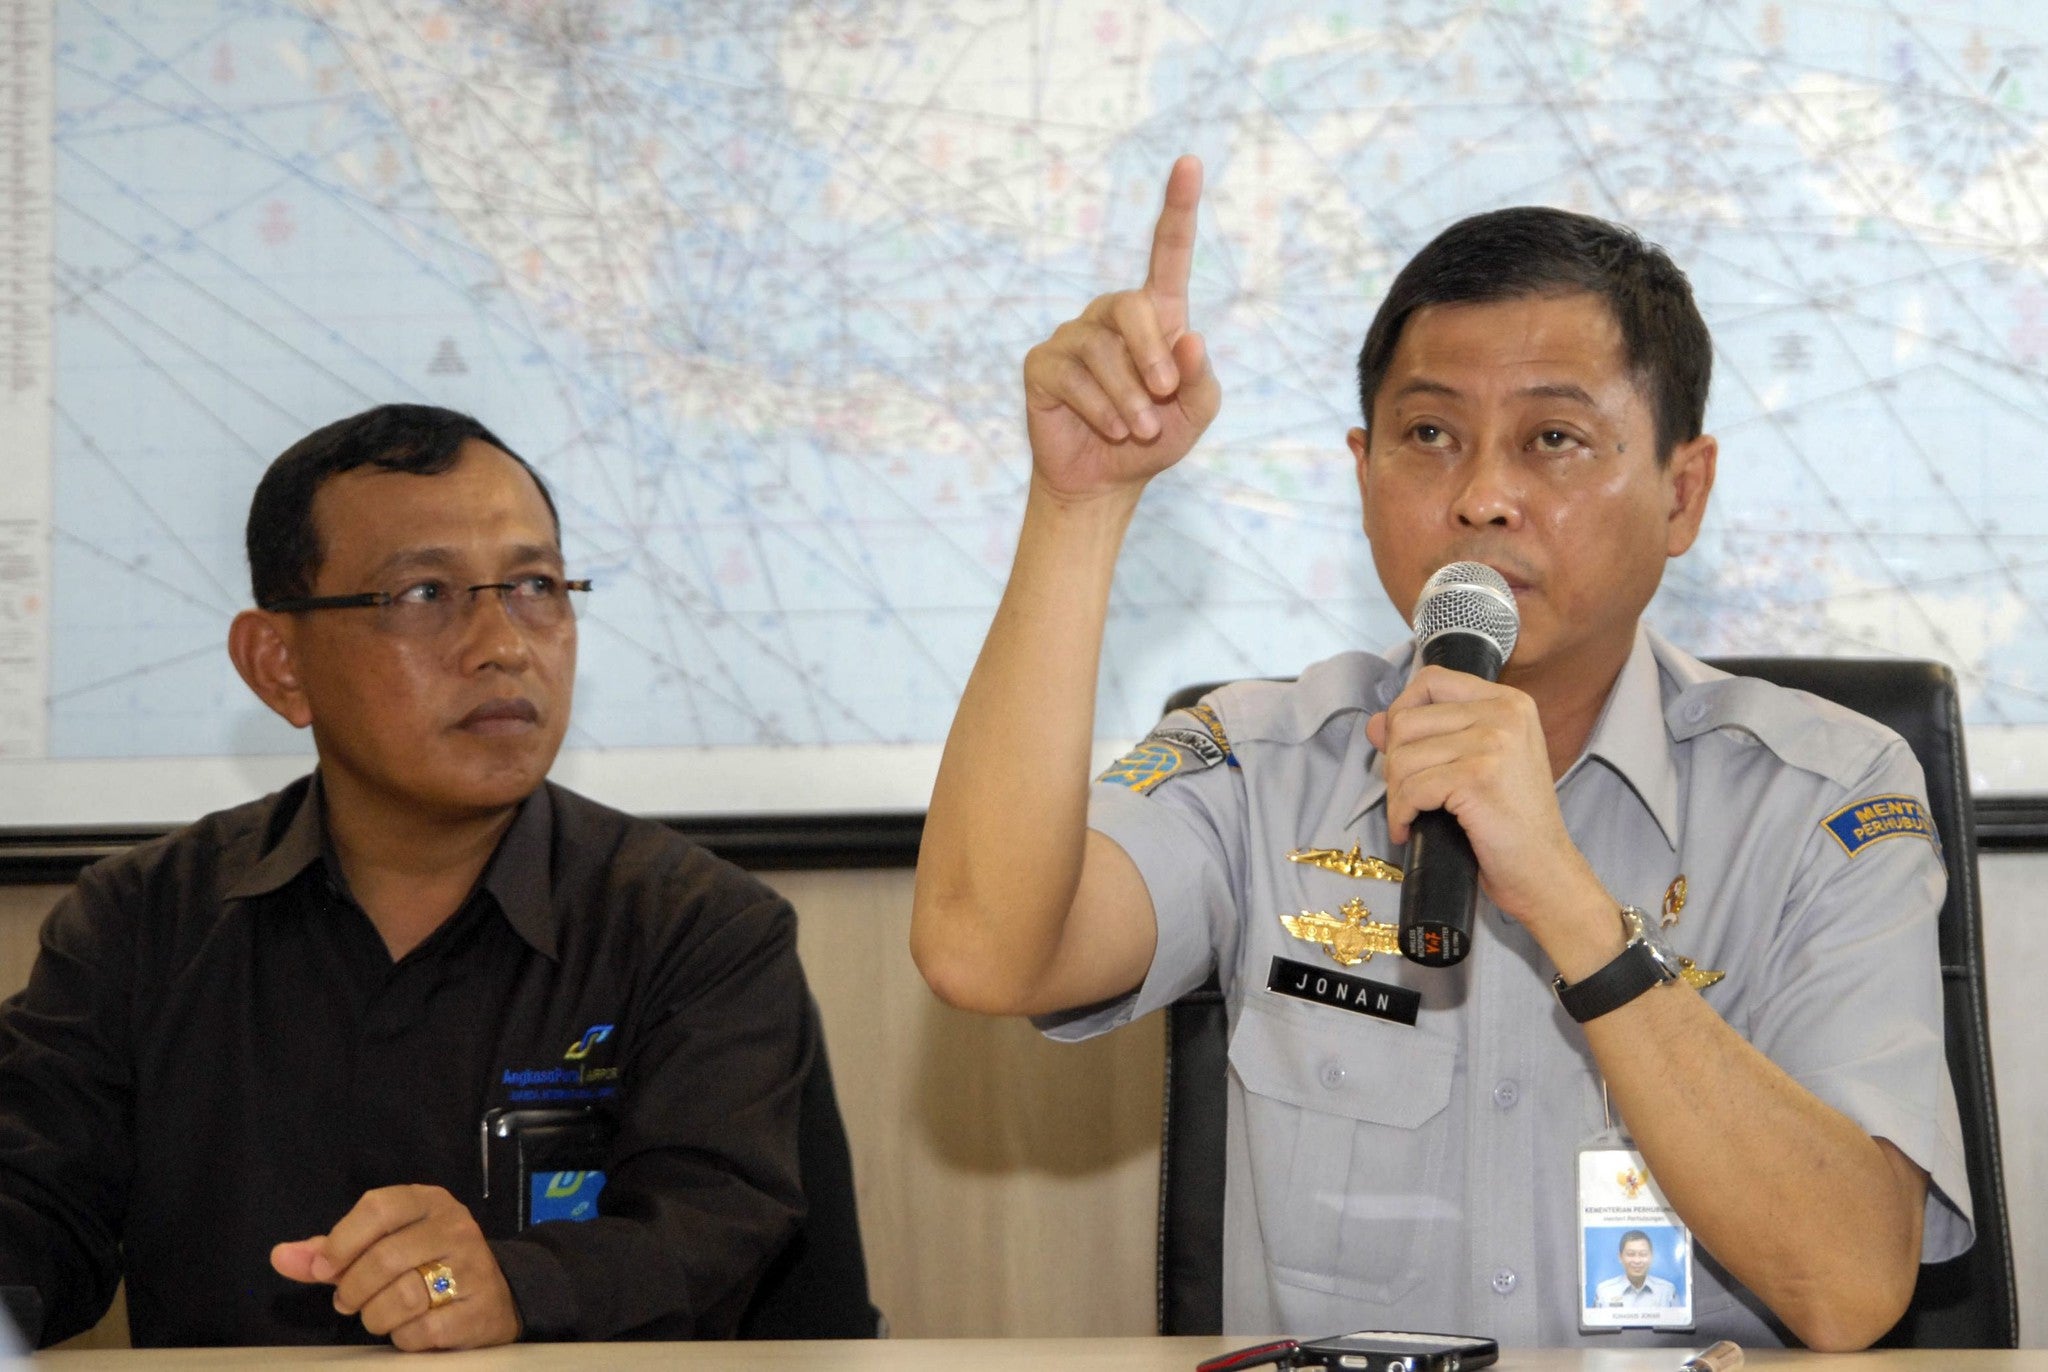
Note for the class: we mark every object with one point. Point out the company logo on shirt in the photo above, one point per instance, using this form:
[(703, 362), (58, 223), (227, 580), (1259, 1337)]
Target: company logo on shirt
[(580, 1049), (585, 1073)]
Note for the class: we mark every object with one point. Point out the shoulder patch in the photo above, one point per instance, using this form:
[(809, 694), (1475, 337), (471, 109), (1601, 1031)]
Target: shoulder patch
[(1858, 826), (1145, 766), (1197, 742), (1207, 742), (1190, 737)]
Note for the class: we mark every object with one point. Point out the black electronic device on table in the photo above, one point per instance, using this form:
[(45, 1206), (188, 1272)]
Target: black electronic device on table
[(1369, 1350)]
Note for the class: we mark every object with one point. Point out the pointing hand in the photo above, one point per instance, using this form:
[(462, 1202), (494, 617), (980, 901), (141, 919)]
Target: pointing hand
[(1122, 392)]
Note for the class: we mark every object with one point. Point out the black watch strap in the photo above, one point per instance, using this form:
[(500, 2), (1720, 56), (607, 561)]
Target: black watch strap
[(1638, 967)]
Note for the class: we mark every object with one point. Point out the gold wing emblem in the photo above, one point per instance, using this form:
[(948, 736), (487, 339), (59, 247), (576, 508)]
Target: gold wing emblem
[(1698, 978), (1313, 926), (1351, 864), (1350, 940)]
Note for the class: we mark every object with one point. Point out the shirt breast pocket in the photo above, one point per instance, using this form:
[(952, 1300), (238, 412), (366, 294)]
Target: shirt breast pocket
[(1347, 1143)]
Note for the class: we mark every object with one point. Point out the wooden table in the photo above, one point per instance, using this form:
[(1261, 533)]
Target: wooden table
[(964, 1355)]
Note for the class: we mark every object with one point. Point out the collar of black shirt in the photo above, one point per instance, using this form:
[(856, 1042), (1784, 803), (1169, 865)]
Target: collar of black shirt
[(518, 875)]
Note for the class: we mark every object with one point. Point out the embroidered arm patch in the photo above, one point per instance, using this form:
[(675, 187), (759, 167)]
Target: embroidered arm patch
[(1190, 738), (1144, 767), (1858, 826)]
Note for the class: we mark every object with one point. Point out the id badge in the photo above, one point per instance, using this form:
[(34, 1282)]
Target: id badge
[(1635, 1254)]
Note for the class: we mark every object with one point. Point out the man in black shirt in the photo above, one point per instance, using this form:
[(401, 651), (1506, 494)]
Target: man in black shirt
[(281, 1067)]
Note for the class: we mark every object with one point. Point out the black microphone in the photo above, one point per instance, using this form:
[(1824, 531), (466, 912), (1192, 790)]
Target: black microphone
[(1465, 620)]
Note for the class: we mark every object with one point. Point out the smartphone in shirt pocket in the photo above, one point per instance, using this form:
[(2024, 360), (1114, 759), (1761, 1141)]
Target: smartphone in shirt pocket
[(544, 1164)]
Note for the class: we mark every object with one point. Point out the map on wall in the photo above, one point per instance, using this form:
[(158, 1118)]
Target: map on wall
[(751, 282)]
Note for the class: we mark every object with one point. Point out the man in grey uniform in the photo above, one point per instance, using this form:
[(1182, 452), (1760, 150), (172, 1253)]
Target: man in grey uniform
[(1636, 1287), (1403, 1140)]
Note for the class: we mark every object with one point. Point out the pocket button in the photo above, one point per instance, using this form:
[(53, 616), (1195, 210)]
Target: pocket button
[(1333, 1076)]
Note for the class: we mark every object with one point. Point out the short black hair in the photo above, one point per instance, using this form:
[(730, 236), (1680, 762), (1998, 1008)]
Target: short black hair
[(1535, 251), (1630, 1237), (420, 440)]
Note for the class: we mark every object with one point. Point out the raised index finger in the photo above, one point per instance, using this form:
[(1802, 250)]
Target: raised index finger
[(1173, 238)]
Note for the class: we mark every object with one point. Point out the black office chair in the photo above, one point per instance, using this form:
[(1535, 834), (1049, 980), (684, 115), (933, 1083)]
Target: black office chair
[(1967, 1302), (817, 1287)]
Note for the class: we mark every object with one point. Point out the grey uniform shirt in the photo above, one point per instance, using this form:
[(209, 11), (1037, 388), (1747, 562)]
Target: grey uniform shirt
[(1393, 1175)]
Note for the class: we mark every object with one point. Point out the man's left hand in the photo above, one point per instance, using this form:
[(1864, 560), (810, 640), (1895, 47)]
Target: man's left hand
[(372, 1259), (1454, 742)]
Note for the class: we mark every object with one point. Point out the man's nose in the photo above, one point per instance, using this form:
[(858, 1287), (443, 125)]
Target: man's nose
[(490, 635), (1491, 491)]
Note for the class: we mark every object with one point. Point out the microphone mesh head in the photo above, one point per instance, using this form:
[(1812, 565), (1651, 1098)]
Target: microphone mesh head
[(1468, 598)]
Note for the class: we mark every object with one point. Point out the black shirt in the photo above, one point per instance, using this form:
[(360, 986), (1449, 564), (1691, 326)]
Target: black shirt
[(215, 1052)]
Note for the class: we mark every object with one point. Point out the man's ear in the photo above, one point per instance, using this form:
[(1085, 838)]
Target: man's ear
[(261, 644), (1689, 478), (1359, 440)]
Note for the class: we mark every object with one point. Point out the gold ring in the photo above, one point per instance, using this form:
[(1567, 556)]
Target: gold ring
[(440, 1283)]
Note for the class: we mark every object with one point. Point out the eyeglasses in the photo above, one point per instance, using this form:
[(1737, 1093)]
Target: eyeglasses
[(429, 609)]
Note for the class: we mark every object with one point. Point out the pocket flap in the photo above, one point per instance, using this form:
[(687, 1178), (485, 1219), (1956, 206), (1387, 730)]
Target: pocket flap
[(1343, 1064)]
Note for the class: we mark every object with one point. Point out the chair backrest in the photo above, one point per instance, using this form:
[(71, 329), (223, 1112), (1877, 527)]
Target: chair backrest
[(817, 1287), (1967, 1302)]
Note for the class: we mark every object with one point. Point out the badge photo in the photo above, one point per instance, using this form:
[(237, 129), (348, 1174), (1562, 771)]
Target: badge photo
[(1635, 1255)]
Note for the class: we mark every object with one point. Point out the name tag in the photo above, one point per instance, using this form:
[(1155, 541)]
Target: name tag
[(1359, 995)]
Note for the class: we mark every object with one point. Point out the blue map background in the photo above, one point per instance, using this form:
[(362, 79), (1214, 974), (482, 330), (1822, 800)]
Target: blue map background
[(751, 285)]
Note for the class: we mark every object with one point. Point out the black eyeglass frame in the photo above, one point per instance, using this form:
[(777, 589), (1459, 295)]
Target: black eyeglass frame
[(377, 600)]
